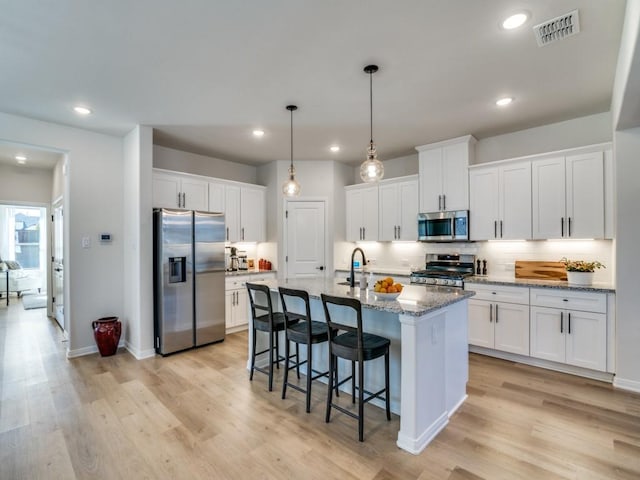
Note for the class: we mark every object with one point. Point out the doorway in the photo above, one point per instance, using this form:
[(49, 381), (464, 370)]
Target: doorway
[(57, 264), (305, 225)]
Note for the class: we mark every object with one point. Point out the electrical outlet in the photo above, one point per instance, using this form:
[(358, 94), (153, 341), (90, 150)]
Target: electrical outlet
[(86, 242), (372, 261)]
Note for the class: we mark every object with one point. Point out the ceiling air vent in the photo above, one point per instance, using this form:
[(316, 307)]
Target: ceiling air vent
[(557, 28)]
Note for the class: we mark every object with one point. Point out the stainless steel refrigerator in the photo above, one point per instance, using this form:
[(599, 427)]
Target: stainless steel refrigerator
[(189, 285)]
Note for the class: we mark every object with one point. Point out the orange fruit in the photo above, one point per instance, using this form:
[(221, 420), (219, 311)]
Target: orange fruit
[(383, 290), (389, 280), (398, 287)]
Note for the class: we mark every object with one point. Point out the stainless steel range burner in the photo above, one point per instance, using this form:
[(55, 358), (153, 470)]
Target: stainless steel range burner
[(445, 269)]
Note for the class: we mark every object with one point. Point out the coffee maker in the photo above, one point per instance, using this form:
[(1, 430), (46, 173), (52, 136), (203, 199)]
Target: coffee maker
[(242, 260), (233, 260)]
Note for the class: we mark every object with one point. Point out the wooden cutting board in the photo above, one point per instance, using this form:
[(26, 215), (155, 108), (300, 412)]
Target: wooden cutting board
[(540, 270)]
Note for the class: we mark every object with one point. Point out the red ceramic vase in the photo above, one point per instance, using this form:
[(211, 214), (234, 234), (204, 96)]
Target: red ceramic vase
[(106, 332)]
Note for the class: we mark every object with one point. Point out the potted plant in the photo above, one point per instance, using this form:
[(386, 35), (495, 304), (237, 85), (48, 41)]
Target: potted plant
[(580, 272)]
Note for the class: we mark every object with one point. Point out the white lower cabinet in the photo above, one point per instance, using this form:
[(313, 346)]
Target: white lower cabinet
[(236, 310), (236, 299), (558, 325), (500, 326), (566, 335)]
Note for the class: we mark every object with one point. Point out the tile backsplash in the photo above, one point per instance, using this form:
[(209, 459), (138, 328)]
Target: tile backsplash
[(500, 255)]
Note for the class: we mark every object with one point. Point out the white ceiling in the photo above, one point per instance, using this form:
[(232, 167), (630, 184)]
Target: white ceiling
[(36, 158), (205, 73)]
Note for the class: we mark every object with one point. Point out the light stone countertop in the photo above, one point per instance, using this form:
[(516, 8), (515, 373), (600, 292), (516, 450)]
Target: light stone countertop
[(238, 273), (415, 300), (529, 282)]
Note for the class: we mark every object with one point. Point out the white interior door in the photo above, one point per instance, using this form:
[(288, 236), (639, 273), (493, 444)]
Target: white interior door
[(305, 225), (57, 266)]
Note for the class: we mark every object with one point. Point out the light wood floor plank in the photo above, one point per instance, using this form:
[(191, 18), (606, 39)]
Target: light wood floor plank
[(196, 415)]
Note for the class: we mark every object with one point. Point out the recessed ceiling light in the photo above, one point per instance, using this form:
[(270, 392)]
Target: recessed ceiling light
[(82, 110), (334, 148), (258, 133), (515, 21), (20, 157), (503, 102)]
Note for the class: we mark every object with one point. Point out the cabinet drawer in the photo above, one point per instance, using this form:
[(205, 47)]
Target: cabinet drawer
[(235, 283), (263, 276), (570, 300), (499, 293)]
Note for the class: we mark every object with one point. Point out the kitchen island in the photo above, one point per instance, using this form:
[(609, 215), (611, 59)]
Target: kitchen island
[(427, 327)]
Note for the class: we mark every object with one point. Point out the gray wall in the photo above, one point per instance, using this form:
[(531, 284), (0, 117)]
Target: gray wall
[(577, 132), (627, 148), (20, 184), (180, 161)]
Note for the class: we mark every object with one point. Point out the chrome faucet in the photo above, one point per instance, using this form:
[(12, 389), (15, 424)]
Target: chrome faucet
[(352, 282)]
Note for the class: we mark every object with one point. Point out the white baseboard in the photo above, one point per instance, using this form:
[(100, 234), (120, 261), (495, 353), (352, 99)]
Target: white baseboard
[(91, 349), (625, 384), (80, 352), (537, 362), (417, 445), (139, 354)]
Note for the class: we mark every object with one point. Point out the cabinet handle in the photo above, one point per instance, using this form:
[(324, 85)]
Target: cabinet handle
[(227, 234), (490, 312), (500, 228), (364, 233), (569, 315), (398, 232), (569, 226), (243, 233), (496, 313), (561, 329), (439, 202), (495, 229), (179, 200), (184, 200), (562, 226), (444, 202)]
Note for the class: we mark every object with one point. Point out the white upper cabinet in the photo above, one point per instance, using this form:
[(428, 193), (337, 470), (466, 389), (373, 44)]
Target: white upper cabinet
[(252, 214), (244, 210), (568, 196), (500, 199), (362, 212), (398, 209), (444, 180), (172, 190)]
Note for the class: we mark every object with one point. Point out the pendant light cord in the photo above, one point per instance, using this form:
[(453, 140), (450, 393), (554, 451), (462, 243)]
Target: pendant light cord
[(371, 104), (291, 138)]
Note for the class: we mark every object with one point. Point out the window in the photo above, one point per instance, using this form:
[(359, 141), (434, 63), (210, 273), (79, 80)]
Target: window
[(22, 235)]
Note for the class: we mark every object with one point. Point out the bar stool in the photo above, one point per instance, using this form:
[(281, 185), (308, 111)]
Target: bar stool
[(270, 322), (358, 346), (300, 329)]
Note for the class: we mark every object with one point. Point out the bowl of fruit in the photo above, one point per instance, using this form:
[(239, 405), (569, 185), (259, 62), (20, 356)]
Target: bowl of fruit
[(386, 289)]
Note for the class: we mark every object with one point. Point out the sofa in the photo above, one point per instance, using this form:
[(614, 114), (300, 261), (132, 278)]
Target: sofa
[(20, 280)]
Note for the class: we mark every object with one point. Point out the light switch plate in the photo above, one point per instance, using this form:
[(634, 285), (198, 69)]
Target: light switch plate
[(86, 242)]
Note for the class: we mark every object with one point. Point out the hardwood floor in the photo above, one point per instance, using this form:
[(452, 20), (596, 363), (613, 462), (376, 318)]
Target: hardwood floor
[(196, 415)]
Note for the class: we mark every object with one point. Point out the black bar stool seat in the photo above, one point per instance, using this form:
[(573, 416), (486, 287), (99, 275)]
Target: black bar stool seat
[(270, 322), (358, 346), (301, 330)]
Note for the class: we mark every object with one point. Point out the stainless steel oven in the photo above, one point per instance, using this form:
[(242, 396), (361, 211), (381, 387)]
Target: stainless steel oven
[(444, 226)]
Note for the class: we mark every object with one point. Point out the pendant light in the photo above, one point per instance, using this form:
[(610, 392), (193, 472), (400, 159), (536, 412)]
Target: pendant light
[(371, 169), (291, 188)]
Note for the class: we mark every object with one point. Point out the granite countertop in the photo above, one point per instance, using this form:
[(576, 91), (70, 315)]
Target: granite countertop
[(415, 300), (238, 273), (404, 272), (530, 282)]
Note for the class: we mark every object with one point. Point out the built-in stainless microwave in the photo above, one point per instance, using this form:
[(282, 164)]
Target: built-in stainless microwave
[(444, 226)]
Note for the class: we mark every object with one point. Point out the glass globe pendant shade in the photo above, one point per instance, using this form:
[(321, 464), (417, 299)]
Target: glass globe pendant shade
[(291, 188), (371, 170)]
